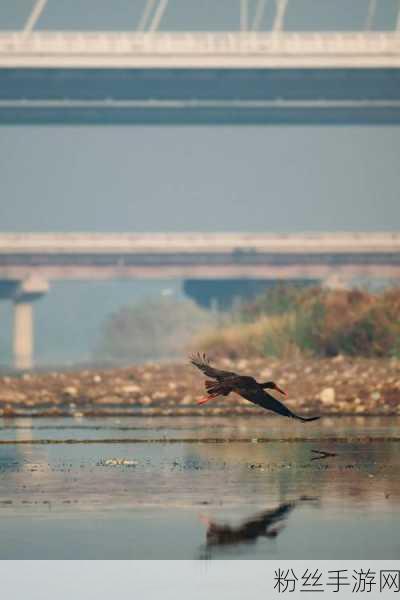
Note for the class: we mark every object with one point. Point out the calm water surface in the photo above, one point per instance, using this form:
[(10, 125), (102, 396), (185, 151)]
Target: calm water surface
[(200, 488)]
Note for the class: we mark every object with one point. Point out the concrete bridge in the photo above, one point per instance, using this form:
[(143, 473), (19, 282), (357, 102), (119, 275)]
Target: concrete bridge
[(30, 262), (256, 75), (200, 78)]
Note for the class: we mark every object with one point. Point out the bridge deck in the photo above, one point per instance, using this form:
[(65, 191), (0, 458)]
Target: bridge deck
[(200, 78), (63, 49), (193, 242), (101, 256)]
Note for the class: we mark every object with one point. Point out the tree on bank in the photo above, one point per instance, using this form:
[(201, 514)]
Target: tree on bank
[(156, 328)]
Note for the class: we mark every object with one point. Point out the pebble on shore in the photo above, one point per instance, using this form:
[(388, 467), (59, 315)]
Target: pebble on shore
[(324, 386)]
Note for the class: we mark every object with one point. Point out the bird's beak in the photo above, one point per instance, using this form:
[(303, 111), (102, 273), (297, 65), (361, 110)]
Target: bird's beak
[(281, 391)]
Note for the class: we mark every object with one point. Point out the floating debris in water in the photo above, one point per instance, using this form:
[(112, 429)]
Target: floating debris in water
[(322, 454), (116, 462)]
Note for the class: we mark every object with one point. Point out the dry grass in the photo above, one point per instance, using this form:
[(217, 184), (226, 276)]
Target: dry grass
[(312, 322), (272, 336)]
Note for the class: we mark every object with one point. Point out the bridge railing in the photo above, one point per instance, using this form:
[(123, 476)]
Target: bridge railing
[(198, 43), (73, 243)]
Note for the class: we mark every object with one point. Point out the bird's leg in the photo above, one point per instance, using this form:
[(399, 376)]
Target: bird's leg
[(207, 398)]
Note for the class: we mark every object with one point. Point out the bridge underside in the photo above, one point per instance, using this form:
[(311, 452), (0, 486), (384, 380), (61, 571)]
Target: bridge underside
[(223, 293), (284, 271), (199, 96)]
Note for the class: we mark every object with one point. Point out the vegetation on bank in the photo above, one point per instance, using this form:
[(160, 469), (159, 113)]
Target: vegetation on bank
[(158, 328), (283, 322), (286, 321)]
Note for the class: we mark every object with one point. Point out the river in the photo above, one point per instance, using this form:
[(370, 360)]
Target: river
[(212, 487)]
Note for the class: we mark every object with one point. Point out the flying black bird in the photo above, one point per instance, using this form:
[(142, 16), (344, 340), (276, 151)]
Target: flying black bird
[(225, 382)]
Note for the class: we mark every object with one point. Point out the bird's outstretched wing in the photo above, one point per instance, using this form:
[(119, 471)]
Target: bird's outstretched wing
[(202, 362), (258, 396)]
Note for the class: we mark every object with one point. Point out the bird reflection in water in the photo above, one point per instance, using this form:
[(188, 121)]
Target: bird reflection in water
[(267, 524)]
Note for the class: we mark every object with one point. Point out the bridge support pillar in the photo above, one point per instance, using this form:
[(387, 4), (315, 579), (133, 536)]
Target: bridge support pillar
[(26, 293), (23, 335)]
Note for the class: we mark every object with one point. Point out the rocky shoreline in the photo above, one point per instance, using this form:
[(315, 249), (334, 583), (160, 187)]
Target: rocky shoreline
[(338, 386)]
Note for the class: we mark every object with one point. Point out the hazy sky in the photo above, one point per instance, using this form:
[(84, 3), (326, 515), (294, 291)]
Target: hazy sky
[(221, 178)]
